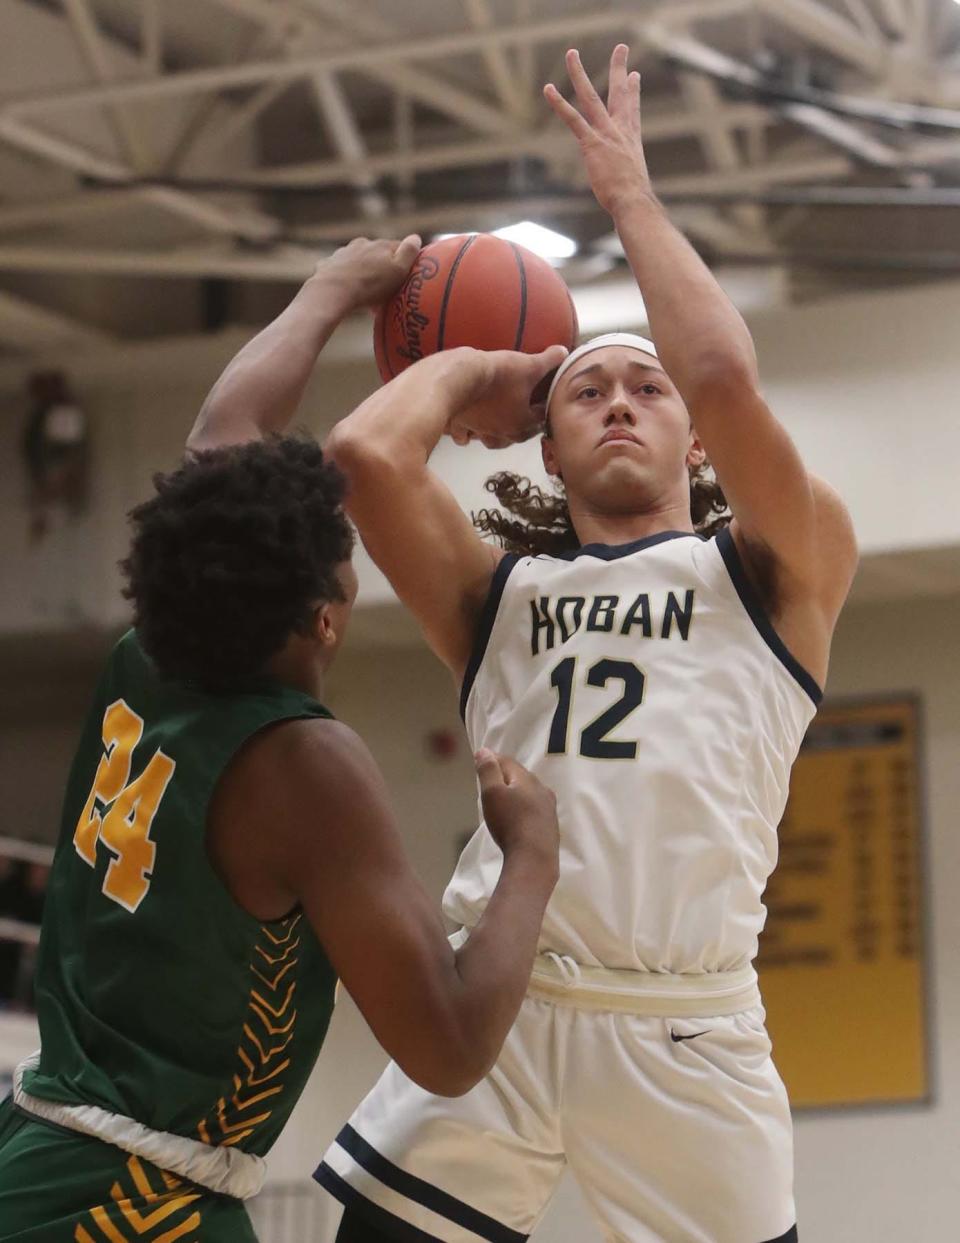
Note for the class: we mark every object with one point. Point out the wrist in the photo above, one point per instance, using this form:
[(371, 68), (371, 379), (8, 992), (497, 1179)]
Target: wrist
[(462, 374), (536, 864), (635, 194), (334, 294)]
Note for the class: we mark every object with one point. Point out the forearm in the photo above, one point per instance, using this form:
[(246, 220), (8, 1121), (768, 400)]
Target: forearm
[(261, 389), (402, 422), (496, 962), (699, 333)]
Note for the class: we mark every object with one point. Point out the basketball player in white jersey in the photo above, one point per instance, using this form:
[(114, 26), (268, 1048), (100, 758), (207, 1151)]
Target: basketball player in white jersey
[(661, 682)]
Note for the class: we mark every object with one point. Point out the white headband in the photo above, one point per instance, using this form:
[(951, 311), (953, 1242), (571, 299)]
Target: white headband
[(627, 339)]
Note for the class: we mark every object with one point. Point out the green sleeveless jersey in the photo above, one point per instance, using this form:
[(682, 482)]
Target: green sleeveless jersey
[(158, 997)]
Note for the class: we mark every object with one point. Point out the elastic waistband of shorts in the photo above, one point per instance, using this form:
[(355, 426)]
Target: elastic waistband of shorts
[(226, 1171), (654, 994)]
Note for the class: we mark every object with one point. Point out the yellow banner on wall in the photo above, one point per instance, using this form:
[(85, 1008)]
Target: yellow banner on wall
[(841, 959)]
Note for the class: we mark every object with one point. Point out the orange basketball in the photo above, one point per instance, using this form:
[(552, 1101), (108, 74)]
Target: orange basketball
[(474, 289)]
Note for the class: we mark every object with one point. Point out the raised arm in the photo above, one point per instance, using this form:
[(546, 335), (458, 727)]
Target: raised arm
[(303, 815), (409, 521), (707, 351), (261, 388)]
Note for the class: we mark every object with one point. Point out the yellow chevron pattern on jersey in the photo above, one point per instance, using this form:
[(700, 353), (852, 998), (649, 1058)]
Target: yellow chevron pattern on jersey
[(138, 1212), (267, 1031)]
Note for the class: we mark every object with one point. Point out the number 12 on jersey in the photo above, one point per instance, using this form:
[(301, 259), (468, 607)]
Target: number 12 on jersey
[(594, 743)]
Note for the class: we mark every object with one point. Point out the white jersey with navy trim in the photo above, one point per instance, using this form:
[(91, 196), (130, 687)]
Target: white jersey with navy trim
[(646, 686)]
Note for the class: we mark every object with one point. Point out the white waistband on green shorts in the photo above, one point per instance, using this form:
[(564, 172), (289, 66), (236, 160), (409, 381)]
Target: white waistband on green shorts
[(655, 994), (227, 1171)]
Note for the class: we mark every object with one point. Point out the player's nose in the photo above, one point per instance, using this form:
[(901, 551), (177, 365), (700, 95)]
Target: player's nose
[(620, 410)]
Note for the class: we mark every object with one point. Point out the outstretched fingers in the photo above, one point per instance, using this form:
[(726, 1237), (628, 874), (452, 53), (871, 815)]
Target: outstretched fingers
[(566, 112), (635, 89), (591, 105), (619, 101)]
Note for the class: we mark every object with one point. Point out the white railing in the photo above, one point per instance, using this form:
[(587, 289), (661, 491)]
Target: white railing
[(25, 852)]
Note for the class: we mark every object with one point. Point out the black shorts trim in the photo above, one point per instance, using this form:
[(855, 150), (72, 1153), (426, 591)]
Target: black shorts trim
[(419, 1191), (790, 1237), (487, 617), (379, 1218), (751, 602)]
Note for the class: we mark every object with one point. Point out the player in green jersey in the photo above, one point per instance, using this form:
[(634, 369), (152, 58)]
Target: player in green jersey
[(227, 848)]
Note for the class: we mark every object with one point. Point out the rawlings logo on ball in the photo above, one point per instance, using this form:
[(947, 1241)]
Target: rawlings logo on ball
[(409, 320)]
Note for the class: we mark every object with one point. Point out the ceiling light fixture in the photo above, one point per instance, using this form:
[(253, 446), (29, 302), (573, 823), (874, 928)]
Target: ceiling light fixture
[(548, 244)]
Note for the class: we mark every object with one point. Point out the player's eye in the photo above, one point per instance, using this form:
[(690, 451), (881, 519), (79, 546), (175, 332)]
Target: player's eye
[(649, 389), (589, 392)]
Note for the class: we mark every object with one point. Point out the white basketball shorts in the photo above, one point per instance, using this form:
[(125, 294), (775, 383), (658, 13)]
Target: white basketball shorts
[(677, 1130)]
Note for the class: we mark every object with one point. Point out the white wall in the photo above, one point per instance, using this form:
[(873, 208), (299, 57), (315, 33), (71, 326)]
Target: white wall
[(875, 1176)]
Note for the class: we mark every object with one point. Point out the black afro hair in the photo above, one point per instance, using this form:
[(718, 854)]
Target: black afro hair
[(230, 556)]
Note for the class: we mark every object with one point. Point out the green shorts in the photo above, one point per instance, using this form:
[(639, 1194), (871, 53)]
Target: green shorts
[(60, 1187)]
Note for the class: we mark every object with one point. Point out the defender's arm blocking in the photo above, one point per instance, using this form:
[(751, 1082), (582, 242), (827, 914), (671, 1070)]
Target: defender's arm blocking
[(260, 390), (306, 818)]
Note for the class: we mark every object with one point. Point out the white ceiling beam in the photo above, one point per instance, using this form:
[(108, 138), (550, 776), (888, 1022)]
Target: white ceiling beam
[(449, 100), (451, 217), (92, 203), (403, 138), (241, 222), (151, 37), (231, 122), (345, 135), (502, 74), (826, 125), (720, 149), (314, 35), (40, 214), (865, 20), (95, 53), (26, 326), (526, 58), (840, 133), (62, 151), (894, 16), (658, 125), (294, 263), (722, 235), (247, 224), (280, 264), (361, 59), (918, 27), (705, 103), (827, 29), (206, 105), (234, 222)]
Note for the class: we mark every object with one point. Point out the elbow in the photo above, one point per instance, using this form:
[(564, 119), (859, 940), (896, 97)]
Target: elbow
[(345, 448), (451, 1063), (453, 1077), (359, 457)]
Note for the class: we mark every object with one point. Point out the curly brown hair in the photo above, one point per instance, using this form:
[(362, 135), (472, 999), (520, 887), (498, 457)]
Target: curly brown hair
[(537, 522)]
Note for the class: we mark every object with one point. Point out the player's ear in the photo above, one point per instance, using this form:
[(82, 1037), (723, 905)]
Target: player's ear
[(549, 454), (323, 628), (696, 454)]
